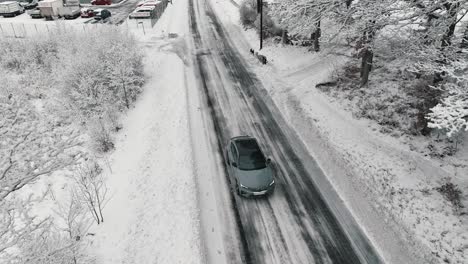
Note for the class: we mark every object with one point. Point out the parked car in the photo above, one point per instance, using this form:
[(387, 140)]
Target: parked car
[(50, 8), (152, 3), (69, 12), (35, 13), (28, 4), (101, 2), (142, 12), (87, 12), (11, 9), (148, 2), (101, 14), (248, 168)]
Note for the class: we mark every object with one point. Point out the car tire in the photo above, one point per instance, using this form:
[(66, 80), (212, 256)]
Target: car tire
[(238, 191)]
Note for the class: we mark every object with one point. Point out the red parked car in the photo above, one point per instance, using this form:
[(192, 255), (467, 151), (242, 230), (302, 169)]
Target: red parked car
[(101, 2), (86, 12)]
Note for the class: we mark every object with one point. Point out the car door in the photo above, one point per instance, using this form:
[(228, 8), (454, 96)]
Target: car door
[(232, 159)]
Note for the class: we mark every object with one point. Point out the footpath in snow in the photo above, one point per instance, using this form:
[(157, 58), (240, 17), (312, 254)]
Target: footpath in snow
[(152, 214)]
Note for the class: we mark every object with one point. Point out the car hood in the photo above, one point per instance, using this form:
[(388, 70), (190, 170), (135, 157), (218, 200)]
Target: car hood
[(255, 179)]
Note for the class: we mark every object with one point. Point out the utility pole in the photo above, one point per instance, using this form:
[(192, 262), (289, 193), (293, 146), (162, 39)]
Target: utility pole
[(260, 10)]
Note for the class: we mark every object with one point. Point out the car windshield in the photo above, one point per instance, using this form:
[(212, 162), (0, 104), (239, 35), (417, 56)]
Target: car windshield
[(250, 155)]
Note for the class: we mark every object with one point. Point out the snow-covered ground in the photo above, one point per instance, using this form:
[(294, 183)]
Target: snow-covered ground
[(389, 188), (152, 214), (24, 26)]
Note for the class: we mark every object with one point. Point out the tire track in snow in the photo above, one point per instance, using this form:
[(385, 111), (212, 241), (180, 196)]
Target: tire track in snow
[(218, 124), (322, 238)]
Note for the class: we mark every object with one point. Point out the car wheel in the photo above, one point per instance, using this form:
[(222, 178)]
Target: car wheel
[(238, 191)]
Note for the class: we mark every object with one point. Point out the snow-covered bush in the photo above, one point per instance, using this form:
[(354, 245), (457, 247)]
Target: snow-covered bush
[(53, 246), (270, 29), (93, 70), (452, 193), (31, 146), (250, 18), (451, 115), (104, 71), (248, 12), (100, 135)]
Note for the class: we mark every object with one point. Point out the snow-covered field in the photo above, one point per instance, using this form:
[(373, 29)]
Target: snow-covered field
[(399, 183)]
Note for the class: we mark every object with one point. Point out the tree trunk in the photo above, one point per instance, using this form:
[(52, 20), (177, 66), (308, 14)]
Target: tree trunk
[(99, 202), (452, 10), (367, 53), (125, 94), (366, 65), (317, 34), (284, 38), (464, 43)]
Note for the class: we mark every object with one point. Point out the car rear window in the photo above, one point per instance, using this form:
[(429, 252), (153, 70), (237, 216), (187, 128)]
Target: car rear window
[(250, 155)]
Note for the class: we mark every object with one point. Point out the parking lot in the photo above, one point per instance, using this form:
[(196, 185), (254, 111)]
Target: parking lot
[(23, 25)]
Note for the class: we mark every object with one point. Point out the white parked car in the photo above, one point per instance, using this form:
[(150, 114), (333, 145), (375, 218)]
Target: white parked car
[(11, 9), (142, 12), (149, 3)]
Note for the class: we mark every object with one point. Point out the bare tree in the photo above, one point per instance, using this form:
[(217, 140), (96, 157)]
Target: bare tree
[(91, 189), (74, 223)]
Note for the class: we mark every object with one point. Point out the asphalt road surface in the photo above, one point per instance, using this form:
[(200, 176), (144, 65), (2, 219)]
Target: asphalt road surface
[(300, 222)]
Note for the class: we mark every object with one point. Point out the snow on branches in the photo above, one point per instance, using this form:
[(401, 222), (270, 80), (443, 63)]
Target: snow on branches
[(451, 115), (30, 147)]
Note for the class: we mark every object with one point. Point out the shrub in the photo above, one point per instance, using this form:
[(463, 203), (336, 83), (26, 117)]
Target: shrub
[(105, 71), (249, 18), (270, 29), (248, 13), (451, 192), (101, 139)]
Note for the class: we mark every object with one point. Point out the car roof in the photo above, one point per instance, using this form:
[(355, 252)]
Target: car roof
[(245, 145), (240, 137), (145, 7)]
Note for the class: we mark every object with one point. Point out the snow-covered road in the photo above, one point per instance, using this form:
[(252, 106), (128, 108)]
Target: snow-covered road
[(304, 221)]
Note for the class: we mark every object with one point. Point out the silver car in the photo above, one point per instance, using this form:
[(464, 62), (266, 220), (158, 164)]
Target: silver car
[(250, 171)]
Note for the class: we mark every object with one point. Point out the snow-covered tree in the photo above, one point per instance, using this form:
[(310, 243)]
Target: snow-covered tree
[(433, 22), (31, 147), (97, 74), (451, 115), (17, 225)]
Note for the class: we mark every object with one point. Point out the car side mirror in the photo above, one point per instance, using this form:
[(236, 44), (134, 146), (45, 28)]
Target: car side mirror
[(268, 161), (234, 164)]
